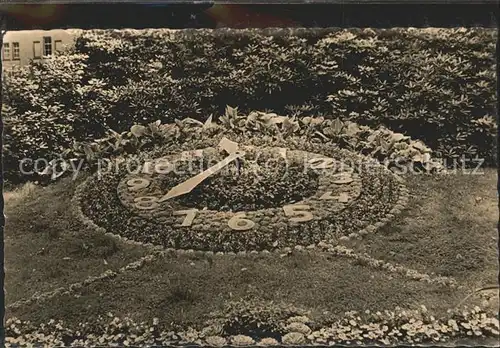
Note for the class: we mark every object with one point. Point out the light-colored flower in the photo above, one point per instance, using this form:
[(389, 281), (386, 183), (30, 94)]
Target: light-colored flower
[(298, 319), (293, 338), (268, 341), (216, 341), (242, 340), (298, 327)]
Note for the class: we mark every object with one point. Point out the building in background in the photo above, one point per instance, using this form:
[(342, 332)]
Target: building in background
[(20, 47)]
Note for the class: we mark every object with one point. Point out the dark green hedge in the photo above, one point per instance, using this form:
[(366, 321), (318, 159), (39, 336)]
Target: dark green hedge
[(434, 84), (437, 85)]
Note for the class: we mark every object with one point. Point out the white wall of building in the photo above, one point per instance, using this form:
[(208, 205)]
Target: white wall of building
[(20, 47)]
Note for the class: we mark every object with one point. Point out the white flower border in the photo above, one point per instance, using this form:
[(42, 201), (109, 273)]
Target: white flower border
[(395, 327)]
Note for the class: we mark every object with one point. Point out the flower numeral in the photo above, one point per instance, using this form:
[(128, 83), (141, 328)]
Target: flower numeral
[(342, 198), (147, 168), (190, 215), (321, 163), (146, 202), (137, 184), (298, 212), (238, 222), (343, 178)]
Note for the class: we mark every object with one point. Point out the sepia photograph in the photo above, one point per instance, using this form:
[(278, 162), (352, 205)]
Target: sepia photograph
[(237, 175)]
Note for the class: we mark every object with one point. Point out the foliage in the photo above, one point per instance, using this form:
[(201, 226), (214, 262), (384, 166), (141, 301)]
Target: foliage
[(43, 111), (392, 149), (136, 139), (395, 327), (431, 84), (255, 318), (435, 85)]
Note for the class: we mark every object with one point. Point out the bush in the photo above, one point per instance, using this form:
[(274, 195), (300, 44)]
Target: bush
[(46, 107), (436, 85), (431, 84)]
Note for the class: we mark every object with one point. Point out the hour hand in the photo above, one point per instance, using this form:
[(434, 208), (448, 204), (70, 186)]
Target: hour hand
[(188, 185), (228, 145)]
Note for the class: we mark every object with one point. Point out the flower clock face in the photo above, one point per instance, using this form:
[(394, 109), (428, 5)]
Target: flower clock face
[(239, 188), (254, 195)]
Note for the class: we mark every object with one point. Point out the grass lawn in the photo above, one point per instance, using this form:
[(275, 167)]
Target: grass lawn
[(186, 290), (47, 248), (449, 228)]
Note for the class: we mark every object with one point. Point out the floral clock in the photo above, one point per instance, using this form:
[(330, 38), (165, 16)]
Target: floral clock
[(222, 195), (146, 194)]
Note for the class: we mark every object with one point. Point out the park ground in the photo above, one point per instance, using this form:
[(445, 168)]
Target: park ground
[(449, 228)]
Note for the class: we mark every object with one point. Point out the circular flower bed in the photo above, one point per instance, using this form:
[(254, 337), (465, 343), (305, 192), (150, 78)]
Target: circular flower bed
[(250, 206), (262, 179)]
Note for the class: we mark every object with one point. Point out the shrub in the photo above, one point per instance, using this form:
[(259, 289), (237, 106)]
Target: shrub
[(436, 85), (431, 84), (47, 106)]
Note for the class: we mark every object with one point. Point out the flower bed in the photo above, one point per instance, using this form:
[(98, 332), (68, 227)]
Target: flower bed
[(280, 326), (376, 195)]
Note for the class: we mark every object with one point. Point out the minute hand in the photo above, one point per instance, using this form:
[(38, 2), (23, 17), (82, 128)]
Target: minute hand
[(188, 185)]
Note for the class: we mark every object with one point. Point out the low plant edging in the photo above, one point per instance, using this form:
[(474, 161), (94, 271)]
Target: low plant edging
[(280, 325), (76, 289)]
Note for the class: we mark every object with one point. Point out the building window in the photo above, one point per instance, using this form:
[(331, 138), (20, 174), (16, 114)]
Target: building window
[(58, 46), (6, 51), (15, 51), (37, 52), (47, 46)]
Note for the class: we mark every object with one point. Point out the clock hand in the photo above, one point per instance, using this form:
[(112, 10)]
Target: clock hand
[(188, 185), (228, 145)]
